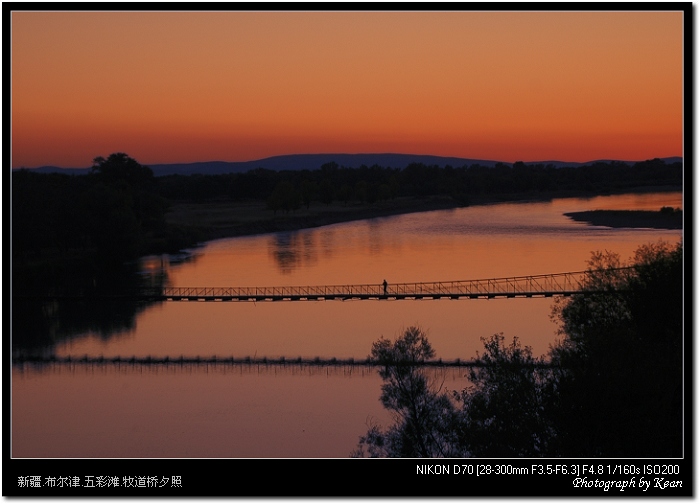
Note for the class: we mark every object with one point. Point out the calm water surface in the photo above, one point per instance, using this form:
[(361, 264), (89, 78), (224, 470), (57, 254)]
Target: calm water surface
[(219, 411)]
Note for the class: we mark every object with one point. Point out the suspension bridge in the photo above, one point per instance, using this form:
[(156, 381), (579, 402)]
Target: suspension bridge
[(548, 285), (558, 284)]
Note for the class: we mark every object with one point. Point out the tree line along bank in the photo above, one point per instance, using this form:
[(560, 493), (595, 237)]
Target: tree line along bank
[(117, 210)]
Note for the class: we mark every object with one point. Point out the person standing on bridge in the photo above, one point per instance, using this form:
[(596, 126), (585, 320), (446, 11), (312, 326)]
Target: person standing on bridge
[(385, 286)]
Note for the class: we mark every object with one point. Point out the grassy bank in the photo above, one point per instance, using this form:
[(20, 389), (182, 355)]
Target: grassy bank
[(212, 220), (221, 219)]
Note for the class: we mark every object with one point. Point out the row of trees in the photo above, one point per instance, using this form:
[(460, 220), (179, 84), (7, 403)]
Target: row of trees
[(370, 184), (114, 211), (117, 211), (611, 387), (78, 235)]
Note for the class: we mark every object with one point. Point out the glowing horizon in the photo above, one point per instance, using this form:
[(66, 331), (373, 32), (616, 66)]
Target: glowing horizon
[(181, 87)]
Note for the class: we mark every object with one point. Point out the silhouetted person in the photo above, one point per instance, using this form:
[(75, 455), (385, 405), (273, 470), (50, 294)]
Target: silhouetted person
[(385, 285)]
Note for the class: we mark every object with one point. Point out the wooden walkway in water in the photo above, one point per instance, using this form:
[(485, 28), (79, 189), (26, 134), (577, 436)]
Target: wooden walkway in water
[(281, 362)]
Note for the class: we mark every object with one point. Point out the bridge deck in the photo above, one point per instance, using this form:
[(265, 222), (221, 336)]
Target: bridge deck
[(561, 284), (354, 297)]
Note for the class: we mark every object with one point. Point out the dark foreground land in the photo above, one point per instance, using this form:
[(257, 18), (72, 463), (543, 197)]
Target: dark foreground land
[(665, 218)]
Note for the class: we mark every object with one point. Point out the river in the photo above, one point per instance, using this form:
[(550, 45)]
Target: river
[(254, 411)]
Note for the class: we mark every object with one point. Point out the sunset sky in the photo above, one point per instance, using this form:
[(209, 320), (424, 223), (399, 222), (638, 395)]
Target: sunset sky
[(168, 87)]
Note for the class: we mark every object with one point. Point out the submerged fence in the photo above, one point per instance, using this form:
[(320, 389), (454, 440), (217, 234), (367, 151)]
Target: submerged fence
[(241, 361)]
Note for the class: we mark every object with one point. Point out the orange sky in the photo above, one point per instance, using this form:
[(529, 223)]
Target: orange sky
[(235, 86)]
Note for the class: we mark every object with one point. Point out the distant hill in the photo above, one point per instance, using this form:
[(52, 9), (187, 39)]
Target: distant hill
[(315, 161)]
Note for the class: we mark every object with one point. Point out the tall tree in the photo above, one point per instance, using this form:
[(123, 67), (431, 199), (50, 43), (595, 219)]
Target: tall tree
[(423, 415), (613, 386)]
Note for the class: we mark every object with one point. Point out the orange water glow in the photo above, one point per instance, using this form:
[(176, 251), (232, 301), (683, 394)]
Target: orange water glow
[(125, 410), (462, 244)]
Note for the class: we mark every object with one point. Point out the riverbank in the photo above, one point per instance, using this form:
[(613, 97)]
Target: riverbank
[(212, 220), (630, 218), (223, 219)]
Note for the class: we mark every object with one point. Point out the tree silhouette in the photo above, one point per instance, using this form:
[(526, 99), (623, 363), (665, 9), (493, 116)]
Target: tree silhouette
[(502, 413), (120, 167), (613, 386), (621, 358), (284, 197), (423, 415)]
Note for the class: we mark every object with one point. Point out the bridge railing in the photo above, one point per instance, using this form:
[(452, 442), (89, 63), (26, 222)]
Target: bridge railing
[(534, 284)]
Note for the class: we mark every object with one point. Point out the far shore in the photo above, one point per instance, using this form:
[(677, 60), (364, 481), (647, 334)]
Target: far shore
[(224, 219), (630, 218)]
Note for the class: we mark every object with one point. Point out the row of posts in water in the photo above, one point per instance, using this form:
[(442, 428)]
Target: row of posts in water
[(230, 361)]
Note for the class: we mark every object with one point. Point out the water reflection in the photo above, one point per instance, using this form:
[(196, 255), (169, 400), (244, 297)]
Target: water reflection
[(261, 411), (326, 238), (342, 254), (374, 236), (40, 325), (296, 250), (439, 233), (293, 250), (155, 269), (80, 302), (196, 412)]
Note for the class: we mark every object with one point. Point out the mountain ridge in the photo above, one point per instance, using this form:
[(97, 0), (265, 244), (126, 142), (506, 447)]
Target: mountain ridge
[(315, 161)]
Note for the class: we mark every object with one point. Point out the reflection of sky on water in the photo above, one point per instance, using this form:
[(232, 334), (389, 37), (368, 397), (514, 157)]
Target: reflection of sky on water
[(157, 412), (197, 411), (526, 218), (403, 248), (109, 412)]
